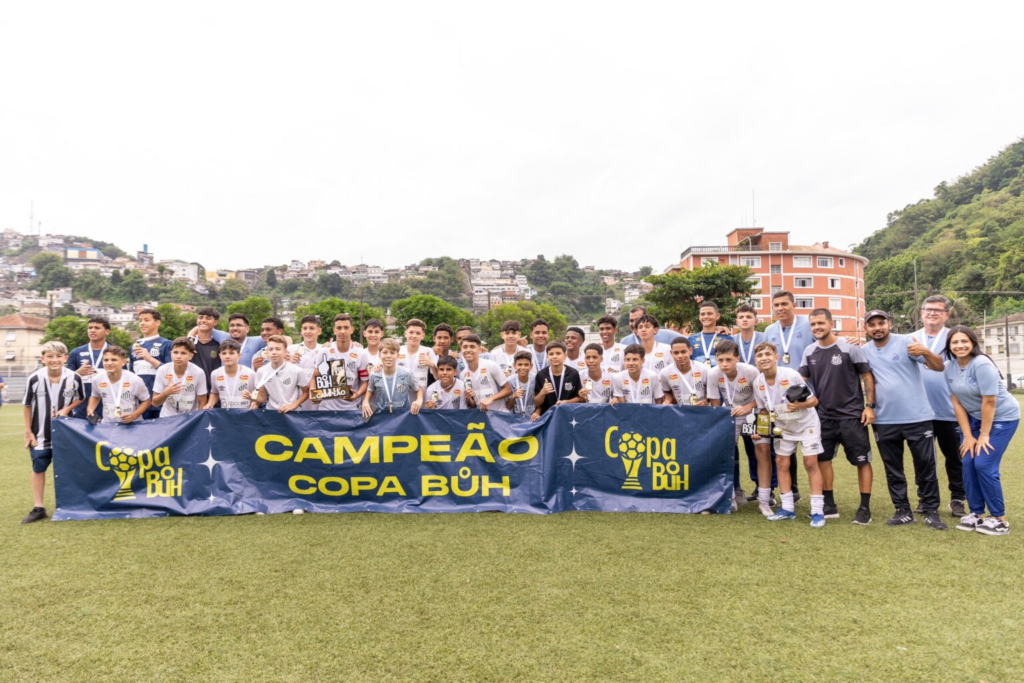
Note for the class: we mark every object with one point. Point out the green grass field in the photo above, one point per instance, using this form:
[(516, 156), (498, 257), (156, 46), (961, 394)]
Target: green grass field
[(575, 596)]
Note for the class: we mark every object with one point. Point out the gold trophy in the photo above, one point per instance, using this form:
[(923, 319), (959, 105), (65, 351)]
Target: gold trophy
[(344, 390), (124, 463), (631, 450)]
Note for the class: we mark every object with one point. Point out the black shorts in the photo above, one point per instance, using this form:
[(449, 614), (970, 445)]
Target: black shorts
[(852, 435), (41, 459)]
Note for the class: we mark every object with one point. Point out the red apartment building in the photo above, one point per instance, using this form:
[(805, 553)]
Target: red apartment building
[(819, 276)]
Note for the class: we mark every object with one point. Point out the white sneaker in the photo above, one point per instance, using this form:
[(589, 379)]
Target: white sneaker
[(734, 507), (739, 497), (969, 522), (766, 509), (993, 526)]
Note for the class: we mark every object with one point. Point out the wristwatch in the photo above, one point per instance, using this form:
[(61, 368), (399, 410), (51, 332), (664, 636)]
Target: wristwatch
[(870, 405)]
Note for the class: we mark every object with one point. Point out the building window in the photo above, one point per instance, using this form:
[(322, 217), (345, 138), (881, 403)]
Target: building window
[(805, 302), (834, 283), (988, 332), (776, 269), (842, 263), (751, 261), (734, 260), (755, 303), (999, 350), (11, 355), (1014, 348), (801, 261), (837, 324), (708, 261), (803, 282), (775, 246), (1013, 330), (825, 262), (756, 281), (835, 304), (776, 288)]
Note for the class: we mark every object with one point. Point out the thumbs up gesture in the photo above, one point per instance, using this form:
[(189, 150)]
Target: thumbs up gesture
[(916, 348)]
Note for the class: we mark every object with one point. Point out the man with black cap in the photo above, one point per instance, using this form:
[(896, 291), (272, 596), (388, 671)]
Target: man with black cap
[(903, 415)]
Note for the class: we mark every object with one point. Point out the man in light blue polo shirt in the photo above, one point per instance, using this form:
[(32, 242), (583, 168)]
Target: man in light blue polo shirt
[(934, 314), (662, 335), (791, 334), (903, 415)]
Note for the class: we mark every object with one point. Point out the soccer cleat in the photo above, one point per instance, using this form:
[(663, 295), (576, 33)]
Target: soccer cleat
[(863, 517), (993, 526), (831, 511), (901, 518), (782, 515), (752, 497), (933, 521), (817, 521), (766, 509), (34, 516), (957, 509), (969, 522)]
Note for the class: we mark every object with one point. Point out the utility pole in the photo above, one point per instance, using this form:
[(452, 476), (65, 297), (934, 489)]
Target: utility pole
[(917, 313), (1006, 328)]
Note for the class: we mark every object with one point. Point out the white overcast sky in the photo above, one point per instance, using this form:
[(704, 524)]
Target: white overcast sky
[(242, 134)]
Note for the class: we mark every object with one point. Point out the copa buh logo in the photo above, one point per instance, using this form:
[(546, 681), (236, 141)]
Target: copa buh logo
[(151, 466), (658, 456)]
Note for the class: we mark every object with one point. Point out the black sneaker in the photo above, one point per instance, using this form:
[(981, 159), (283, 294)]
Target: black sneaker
[(34, 516), (901, 518), (957, 509), (752, 497), (831, 511), (933, 521), (863, 517)]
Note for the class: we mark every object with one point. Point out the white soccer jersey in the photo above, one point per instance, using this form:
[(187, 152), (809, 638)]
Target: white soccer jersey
[(579, 365), (307, 361), (229, 389), (505, 361), (354, 362), (659, 358), (283, 384), (738, 391), (122, 397), (373, 363), (446, 399), (645, 390), (797, 424), (615, 357), (44, 398), (194, 381), (600, 389), (486, 381), (414, 366), (683, 385)]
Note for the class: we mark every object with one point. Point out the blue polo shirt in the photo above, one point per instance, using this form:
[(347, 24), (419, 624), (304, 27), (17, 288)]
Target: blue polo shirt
[(662, 335), (704, 344), (935, 385), (799, 337), (899, 387), (980, 378), (159, 348), (747, 350), (79, 356), (250, 348)]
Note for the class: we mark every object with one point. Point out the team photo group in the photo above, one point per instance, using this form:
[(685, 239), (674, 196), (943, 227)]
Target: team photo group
[(796, 391)]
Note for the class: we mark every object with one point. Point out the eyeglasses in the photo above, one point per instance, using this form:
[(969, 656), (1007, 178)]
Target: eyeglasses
[(933, 311)]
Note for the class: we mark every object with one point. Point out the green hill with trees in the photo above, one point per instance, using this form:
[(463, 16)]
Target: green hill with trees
[(967, 241)]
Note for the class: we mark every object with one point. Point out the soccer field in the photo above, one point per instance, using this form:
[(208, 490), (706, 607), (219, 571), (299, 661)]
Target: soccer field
[(574, 596)]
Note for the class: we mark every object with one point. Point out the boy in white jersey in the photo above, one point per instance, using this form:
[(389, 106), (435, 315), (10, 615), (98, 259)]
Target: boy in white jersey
[(342, 359), (305, 354), (522, 382), (230, 383), (281, 385), (636, 384), (419, 360), (124, 395), (791, 424), (597, 381), (611, 350), (684, 382), (505, 355), (447, 392), (486, 385), (574, 358), (731, 385), (180, 386), (373, 333), (657, 356), (51, 392)]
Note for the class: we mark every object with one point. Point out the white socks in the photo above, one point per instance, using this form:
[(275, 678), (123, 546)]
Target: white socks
[(764, 495), (787, 502), (817, 505)]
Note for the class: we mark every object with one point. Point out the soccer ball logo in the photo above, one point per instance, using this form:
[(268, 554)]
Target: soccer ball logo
[(124, 462), (631, 445)]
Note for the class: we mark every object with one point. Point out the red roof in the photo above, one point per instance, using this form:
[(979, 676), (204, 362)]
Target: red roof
[(18, 321)]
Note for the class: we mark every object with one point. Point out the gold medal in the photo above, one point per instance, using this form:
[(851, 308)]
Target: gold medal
[(777, 430), (785, 358), (694, 400)]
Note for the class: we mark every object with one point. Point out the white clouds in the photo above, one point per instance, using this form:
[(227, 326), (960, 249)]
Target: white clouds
[(265, 133)]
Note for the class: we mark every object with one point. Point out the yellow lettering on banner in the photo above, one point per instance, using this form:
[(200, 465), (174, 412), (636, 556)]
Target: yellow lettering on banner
[(312, 449), (435, 448), (398, 445), (669, 448), (297, 479), (504, 487), (531, 449), (162, 457), (360, 484), (99, 455), (343, 445), (475, 446), (465, 473), (686, 477), (608, 442), (434, 485), (391, 485), (325, 489), (665, 477), (261, 447), (653, 449)]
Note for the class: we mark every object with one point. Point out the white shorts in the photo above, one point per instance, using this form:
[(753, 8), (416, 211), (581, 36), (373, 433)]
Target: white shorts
[(810, 444)]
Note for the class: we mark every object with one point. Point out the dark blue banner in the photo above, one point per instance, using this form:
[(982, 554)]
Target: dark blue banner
[(577, 457)]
